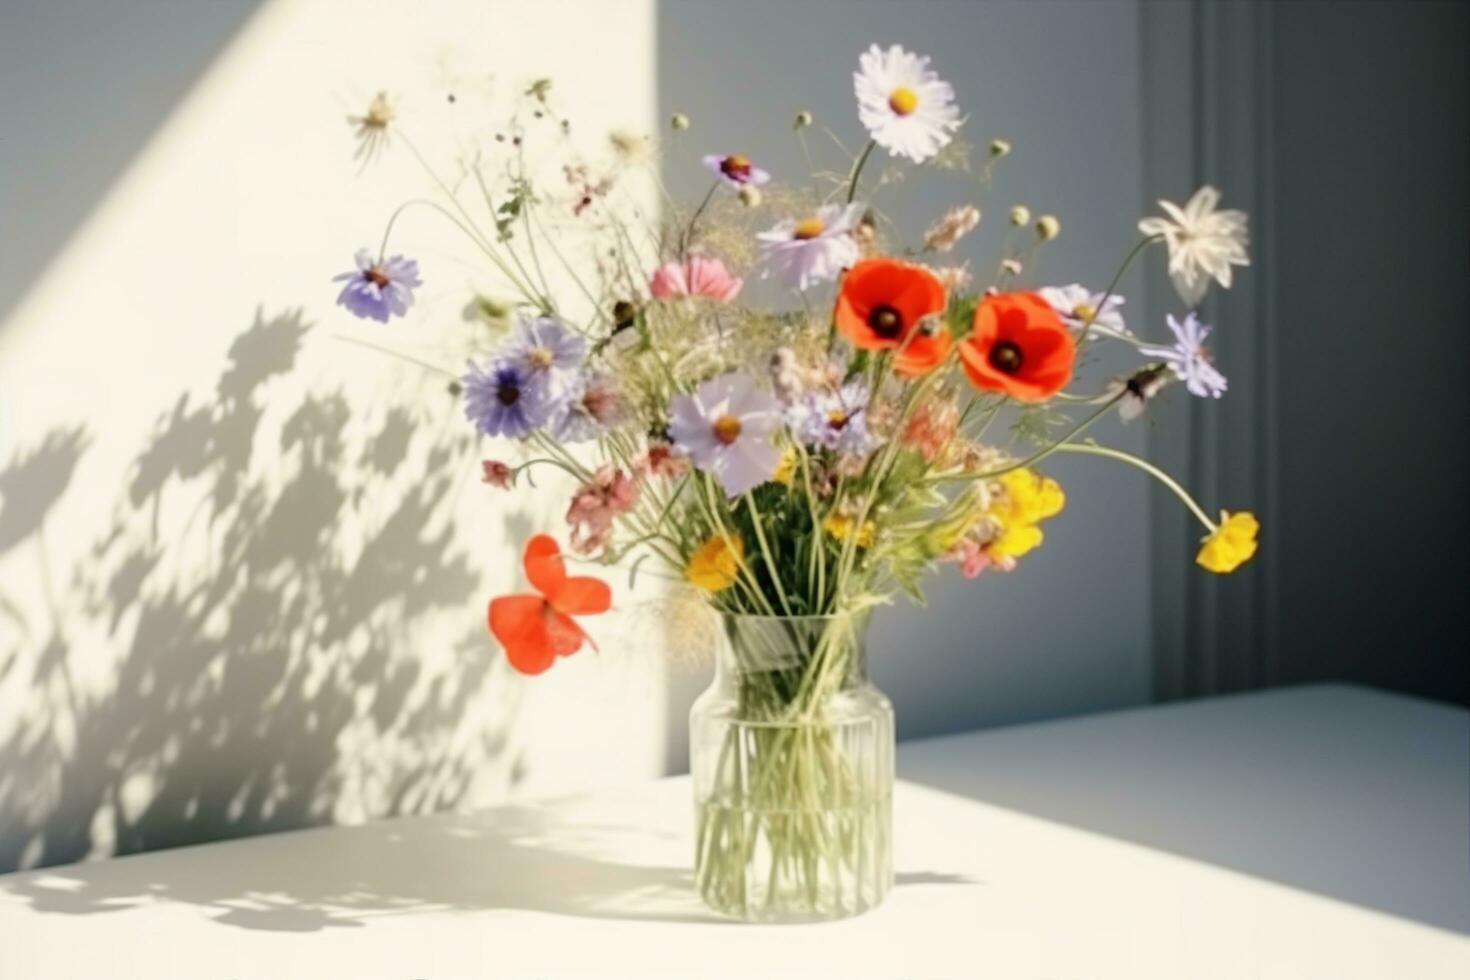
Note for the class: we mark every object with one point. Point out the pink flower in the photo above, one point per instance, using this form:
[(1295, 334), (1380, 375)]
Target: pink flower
[(698, 275), (497, 474), (931, 428), (661, 460), (596, 504), (973, 559)]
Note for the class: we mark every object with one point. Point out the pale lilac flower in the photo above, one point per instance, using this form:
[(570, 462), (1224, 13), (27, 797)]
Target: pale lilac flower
[(504, 399), (544, 344), (906, 107), (590, 405), (1189, 358), (696, 276), (813, 249), (836, 420), (725, 428), (1075, 304), (379, 289), (1203, 243), (737, 170)]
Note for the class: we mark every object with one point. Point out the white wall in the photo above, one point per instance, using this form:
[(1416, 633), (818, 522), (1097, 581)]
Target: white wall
[(1069, 631), (233, 601), (243, 563)]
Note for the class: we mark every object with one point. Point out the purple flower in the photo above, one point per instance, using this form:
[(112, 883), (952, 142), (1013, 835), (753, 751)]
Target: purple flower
[(736, 170), (542, 344), (725, 428), (379, 290), (591, 405), (1189, 358), (503, 399), (835, 419)]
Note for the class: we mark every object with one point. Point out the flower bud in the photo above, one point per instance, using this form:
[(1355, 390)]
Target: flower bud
[(750, 196), (1011, 266), (1048, 227), (803, 120), (1000, 148), (1020, 216), (679, 122)]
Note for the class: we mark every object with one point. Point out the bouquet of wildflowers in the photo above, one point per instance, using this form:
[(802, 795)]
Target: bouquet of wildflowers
[(816, 455)]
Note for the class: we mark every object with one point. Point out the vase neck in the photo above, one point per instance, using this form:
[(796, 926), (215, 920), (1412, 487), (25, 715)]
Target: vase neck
[(829, 651)]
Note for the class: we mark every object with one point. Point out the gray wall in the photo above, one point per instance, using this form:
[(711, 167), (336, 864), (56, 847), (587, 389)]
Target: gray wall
[(1068, 632), (1373, 160), (1342, 128)]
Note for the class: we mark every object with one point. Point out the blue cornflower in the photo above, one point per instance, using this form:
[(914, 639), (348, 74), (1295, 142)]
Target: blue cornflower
[(377, 290), (503, 399)]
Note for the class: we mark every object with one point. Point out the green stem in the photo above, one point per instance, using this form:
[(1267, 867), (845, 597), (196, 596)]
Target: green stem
[(1035, 457), (1117, 278), (694, 218), (1149, 468), (857, 170)]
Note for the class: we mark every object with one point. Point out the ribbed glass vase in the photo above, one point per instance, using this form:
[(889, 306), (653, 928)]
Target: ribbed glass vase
[(791, 751)]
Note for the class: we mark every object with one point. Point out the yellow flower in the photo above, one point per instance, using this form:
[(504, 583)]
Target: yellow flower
[(840, 526), (1015, 540), (1231, 544), (786, 468), (714, 564), (1029, 498)]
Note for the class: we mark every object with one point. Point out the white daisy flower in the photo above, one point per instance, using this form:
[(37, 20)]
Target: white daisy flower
[(812, 249), (1203, 243), (905, 106), (1076, 304)]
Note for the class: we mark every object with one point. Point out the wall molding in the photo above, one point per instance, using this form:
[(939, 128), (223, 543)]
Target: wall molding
[(1207, 118)]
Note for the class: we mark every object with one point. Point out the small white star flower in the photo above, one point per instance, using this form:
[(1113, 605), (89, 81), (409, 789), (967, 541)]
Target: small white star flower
[(1203, 243), (1076, 305), (905, 106)]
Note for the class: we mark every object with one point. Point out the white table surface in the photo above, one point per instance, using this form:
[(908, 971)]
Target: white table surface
[(1316, 832)]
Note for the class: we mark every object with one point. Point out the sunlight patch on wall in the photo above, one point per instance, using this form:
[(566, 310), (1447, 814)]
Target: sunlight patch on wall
[(244, 562)]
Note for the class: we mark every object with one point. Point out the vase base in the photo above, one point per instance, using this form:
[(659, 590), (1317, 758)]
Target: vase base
[(795, 866)]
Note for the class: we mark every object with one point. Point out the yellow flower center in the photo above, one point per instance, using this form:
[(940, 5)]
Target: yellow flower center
[(807, 228), (540, 357), (836, 418), (1084, 311), (903, 100), (726, 429), (736, 166)]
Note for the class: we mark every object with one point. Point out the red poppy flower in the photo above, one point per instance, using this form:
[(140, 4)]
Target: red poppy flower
[(536, 629), (1018, 347), (889, 305)]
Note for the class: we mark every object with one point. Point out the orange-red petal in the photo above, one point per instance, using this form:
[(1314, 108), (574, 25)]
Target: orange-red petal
[(545, 569), (582, 595), (1048, 352), (922, 354), (532, 632), (912, 291), (519, 623)]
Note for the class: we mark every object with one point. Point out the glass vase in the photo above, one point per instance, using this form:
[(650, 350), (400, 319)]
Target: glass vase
[(791, 752)]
